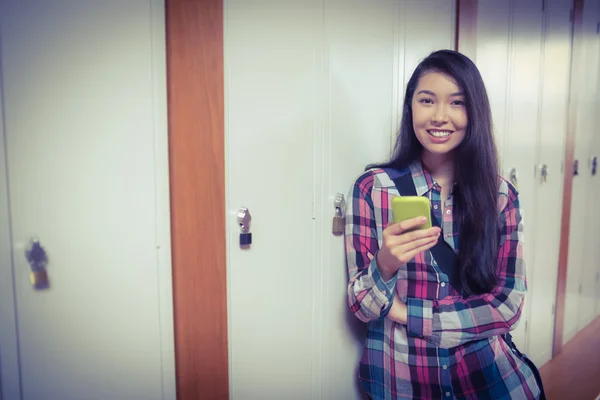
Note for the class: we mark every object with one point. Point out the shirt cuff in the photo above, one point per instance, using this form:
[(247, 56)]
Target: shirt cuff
[(384, 289), (420, 318)]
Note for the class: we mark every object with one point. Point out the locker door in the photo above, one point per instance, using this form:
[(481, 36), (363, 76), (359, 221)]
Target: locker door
[(84, 164), (555, 74), (494, 48), (522, 126), (361, 64), (578, 270), (365, 80), (273, 139), (588, 282), (494, 60), (595, 186)]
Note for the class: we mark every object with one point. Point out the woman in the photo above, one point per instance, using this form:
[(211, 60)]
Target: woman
[(429, 336)]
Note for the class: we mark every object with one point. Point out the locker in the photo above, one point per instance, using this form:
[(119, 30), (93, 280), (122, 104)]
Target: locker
[(523, 51), (313, 94)]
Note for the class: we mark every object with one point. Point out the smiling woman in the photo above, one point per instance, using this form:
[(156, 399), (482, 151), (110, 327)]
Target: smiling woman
[(446, 334)]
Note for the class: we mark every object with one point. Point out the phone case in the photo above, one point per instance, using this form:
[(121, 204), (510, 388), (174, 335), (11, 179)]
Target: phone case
[(407, 207)]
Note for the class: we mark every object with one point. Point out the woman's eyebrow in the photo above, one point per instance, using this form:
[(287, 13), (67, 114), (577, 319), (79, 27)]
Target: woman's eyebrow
[(430, 93)]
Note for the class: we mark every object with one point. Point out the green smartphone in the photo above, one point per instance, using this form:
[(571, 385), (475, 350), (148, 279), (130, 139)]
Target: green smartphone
[(408, 207)]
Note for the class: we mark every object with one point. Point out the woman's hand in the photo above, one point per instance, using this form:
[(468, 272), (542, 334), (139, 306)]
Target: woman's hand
[(399, 311), (400, 245)]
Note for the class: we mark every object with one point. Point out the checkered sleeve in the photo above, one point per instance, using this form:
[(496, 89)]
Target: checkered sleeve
[(369, 296), (453, 321)]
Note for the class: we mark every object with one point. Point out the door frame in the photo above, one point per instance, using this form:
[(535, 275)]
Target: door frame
[(196, 110)]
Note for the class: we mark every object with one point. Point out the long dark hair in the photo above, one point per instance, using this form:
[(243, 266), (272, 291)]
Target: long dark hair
[(476, 169)]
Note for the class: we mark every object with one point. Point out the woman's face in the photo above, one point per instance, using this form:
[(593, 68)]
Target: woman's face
[(439, 113)]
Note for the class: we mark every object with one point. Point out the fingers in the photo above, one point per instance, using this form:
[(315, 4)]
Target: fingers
[(400, 227), (407, 255), (406, 237)]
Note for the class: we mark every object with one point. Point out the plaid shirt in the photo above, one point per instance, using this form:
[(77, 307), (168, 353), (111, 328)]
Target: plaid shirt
[(450, 347)]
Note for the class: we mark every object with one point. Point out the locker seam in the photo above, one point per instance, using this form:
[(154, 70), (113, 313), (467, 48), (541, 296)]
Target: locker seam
[(537, 160), (10, 221)]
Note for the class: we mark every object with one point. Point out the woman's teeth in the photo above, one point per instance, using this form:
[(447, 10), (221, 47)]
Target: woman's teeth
[(440, 134)]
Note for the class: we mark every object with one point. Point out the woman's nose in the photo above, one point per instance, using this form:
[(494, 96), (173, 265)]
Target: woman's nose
[(440, 114)]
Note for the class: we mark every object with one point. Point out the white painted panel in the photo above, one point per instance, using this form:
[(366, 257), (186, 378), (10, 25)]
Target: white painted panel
[(493, 60), (85, 125), (542, 275), (523, 112), (579, 287), (362, 63), (495, 55), (596, 148), (272, 61), (593, 220), (429, 25), (587, 128)]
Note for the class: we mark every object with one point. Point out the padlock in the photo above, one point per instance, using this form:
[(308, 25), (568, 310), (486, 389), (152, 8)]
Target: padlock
[(245, 239), (38, 261), (39, 279), (244, 219), (339, 223)]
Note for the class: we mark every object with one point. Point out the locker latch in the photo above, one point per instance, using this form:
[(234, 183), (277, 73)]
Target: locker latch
[(244, 218)]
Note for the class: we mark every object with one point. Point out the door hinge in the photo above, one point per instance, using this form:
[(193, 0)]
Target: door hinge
[(526, 324), (571, 15), (553, 311), (543, 5)]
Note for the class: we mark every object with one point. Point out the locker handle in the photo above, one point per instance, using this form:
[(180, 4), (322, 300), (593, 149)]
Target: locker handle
[(513, 178), (544, 173)]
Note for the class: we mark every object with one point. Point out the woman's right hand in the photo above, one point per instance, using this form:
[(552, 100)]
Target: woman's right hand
[(400, 245)]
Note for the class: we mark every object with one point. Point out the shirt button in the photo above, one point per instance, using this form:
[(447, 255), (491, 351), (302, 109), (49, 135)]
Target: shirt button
[(445, 367), (435, 206), (443, 284), (447, 394), (449, 212)]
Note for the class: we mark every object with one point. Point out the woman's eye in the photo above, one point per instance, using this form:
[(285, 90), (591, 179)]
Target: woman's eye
[(426, 101), (458, 103)]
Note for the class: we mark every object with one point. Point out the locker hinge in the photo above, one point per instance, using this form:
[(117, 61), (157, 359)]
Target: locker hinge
[(598, 28), (314, 209), (553, 311), (562, 167), (543, 5), (526, 323), (571, 15)]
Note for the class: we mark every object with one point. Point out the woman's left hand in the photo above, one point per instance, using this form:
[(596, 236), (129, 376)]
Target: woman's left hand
[(399, 311)]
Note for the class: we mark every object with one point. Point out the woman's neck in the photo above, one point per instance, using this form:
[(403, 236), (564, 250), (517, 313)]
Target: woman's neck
[(441, 167)]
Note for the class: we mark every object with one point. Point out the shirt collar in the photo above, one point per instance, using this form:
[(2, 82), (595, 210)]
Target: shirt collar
[(421, 177)]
